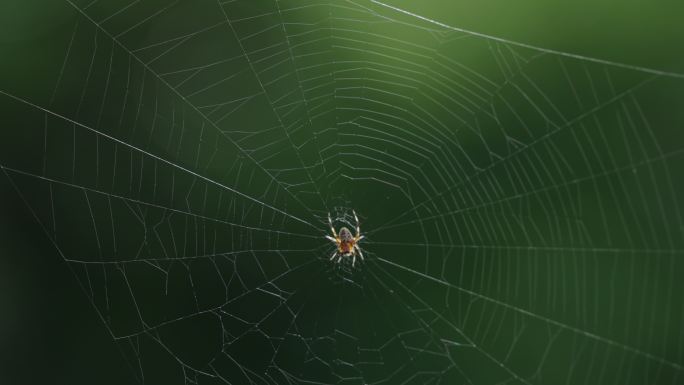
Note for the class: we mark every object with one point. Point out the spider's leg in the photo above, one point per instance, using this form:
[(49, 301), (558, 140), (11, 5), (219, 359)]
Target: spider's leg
[(353, 259), (360, 238), (358, 229), (331, 226), (331, 239), (333, 255), (359, 250)]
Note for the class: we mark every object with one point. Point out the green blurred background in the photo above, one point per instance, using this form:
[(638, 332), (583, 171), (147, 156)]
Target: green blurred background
[(168, 168)]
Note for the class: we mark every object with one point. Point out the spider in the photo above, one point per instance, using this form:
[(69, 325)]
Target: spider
[(347, 244)]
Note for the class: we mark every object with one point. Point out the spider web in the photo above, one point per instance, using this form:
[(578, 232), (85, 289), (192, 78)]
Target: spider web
[(521, 206)]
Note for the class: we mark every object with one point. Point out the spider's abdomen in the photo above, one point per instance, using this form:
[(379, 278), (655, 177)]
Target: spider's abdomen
[(346, 235)]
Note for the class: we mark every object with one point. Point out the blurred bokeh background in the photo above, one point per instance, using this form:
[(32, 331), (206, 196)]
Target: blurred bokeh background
[(167, 169)]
